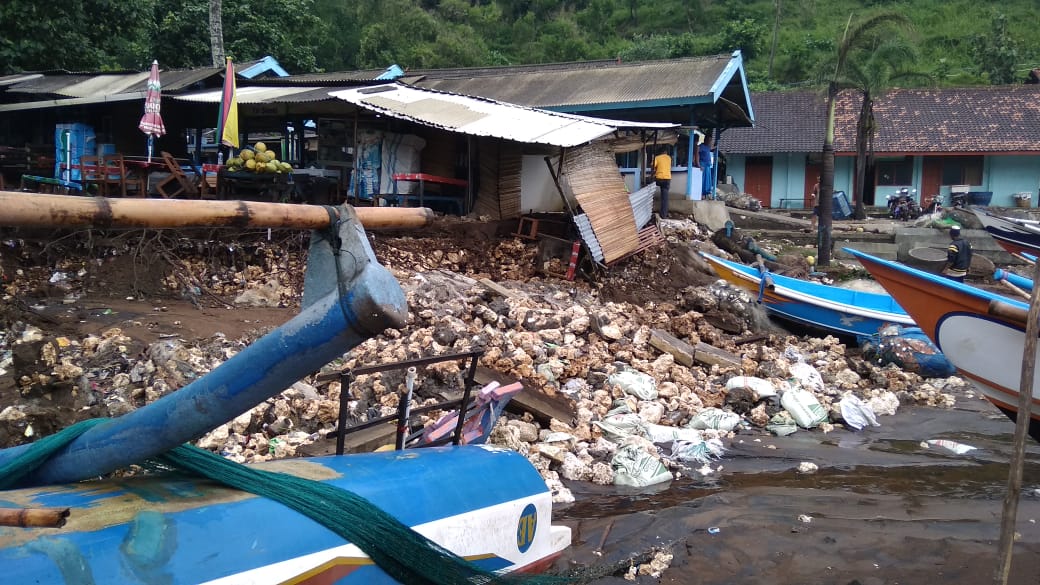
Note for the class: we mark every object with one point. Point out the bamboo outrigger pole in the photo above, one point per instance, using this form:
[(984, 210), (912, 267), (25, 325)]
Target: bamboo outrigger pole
[(1022, 420), (51, 211)]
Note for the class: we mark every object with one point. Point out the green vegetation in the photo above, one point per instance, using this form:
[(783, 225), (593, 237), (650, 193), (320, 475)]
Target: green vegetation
[(960, 41)]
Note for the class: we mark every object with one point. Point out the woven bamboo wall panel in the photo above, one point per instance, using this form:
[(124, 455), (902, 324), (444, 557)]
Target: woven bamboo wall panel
[(487, 203), (591, 173), (509, 171)]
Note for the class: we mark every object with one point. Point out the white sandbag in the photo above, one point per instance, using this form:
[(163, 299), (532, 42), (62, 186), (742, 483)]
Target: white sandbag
[(666, 434), (804, 408), (715, 418), (762, 388), (635, 467), (697, 451), (642, 386), (856, 413), (807, 376), (619, 427), (782, 424)]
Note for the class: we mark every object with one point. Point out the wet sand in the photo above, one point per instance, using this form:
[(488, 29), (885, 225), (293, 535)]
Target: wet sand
[(883, 509)]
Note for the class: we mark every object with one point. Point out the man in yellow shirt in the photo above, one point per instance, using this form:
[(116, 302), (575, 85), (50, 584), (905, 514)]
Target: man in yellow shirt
[(663, 177)]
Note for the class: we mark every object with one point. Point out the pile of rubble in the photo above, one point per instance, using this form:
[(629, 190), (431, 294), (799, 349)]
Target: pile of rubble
[(640, 410)]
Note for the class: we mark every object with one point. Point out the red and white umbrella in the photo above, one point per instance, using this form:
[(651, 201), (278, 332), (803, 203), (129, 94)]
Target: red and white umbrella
[(151, 122)]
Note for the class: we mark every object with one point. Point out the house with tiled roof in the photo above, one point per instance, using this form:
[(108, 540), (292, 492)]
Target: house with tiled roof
[(987, 138)]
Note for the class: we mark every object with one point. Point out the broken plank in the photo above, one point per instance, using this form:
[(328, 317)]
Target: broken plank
[(531, 399), (711, 355), (495, 287), (682, 352)]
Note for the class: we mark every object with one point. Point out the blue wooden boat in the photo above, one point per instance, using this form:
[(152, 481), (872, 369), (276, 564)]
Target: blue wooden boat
[(830, 309), (483, 504)]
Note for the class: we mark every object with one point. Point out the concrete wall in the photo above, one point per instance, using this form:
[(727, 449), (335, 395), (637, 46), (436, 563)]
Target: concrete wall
[(789, 175), (1007, 175)]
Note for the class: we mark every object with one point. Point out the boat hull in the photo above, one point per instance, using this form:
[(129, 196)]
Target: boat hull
[(1015, 236), (827, 308), (171, 529), (985, 347)]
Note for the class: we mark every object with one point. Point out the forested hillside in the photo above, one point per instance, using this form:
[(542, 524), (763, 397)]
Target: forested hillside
[(960, 41)]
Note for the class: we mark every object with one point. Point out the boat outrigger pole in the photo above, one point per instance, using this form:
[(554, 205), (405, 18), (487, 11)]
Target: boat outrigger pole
[(348, 298), (37, 210)]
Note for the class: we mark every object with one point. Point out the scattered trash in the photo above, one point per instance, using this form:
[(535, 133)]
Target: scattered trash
[(954, 446), (807, 467), (804, 518), (909, 348), (856, 413), (714, 530), (697, 451)]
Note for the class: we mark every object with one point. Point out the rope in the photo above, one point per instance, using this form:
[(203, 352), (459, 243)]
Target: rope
[(404, 554)]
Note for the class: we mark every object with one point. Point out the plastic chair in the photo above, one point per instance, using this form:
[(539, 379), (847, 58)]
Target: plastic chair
[(178, 183)]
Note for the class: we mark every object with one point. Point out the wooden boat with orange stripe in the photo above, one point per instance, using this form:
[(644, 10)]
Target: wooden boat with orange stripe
[(980, 332)]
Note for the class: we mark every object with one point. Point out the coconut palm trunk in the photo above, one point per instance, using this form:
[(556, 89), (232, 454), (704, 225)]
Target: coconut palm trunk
[(826, 203), (216, 33)]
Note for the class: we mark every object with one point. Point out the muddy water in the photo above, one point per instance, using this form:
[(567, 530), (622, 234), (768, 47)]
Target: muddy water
[(882, 509)]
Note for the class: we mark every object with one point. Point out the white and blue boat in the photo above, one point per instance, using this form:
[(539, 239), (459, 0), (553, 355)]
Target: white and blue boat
[(830, 309)]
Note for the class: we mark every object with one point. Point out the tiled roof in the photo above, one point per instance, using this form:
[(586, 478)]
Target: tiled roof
[(784, 122), (969, 119), (989, 119)]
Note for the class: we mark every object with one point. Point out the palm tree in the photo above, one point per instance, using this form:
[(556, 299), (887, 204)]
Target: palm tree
[(216, 33), (857, 42), (882, 66)]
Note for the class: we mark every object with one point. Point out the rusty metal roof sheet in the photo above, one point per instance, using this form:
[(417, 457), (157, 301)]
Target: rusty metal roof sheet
[(478, 116), (665, 82), (106, 84)]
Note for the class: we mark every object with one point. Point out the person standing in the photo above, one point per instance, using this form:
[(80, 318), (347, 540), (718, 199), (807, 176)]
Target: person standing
[(704, 157), (958, 256), (663, 177)]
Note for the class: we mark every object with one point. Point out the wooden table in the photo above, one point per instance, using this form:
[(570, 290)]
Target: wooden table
[(274, 187), (458, 200)]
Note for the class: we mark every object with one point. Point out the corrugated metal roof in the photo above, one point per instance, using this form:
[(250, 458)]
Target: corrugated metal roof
[(583, 84), (18, 78), (477, 116), (106, 84), (331, 78), (261, 95)]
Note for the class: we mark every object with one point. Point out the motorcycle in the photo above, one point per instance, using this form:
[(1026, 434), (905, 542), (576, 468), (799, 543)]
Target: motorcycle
[(903, 205)]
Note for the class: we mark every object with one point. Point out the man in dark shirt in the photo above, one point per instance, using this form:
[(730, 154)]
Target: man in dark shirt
[(958, 256)]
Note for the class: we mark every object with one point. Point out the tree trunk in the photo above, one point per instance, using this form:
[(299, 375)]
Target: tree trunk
[(863, 133), (776, 34), (216, 33), (826, 203)]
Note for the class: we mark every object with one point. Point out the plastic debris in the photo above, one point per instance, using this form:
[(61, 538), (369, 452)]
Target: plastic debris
[(953, 446), (856, 413), (804, 518), (714, 530), (807, 467)]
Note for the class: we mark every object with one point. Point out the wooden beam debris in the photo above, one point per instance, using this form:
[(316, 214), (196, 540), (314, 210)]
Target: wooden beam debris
[(687, 354)]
